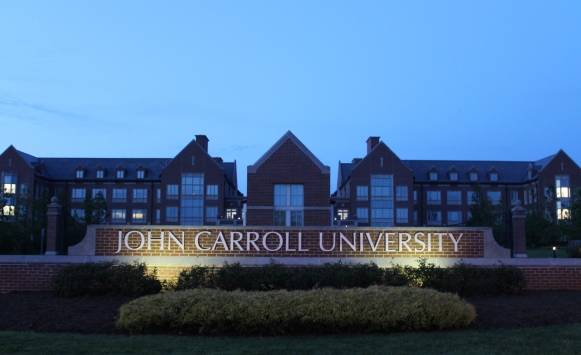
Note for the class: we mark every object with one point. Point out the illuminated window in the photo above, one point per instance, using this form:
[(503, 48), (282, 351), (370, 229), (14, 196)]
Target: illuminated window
[(231, 213), (139, 216), (362, 193), (172, 192), (9, 181), (118, 216), (78, 195), (343, 214), (139, 195), (454, 197), (401, 215), (103, 193), (382, 200), (192, 199), (363, 215), (562, 186), (401, 193), (119, 195), (211, 192), (434, 197), (171, 214), (211, 214), (434, 218), (563, 211), (454, 217), (288, 205)]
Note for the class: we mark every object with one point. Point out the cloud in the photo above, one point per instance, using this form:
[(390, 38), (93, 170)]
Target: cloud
[(21, 109)]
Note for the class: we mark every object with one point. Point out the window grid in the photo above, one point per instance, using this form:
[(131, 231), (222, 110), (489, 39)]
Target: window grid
[(139, 195), (118, 216), (382, 213), (192, 199), (211, 192), (401, 193), (454, 197), (434, 197), (119, 195)]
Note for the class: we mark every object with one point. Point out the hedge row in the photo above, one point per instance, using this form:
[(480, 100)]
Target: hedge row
[(375, 309), (462, 279), (110, 277)]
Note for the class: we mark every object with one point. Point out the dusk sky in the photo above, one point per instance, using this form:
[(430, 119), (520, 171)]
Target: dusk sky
[(449, 80)]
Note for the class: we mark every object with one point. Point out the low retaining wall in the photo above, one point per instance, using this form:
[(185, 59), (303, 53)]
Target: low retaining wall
[(33, 273)]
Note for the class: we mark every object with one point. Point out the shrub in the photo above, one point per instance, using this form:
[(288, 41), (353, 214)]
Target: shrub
[(374, 309), (463, 279), (107, 277)]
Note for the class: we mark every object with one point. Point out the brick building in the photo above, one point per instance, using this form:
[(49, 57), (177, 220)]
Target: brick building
[(288, 186), (380, 189), (191, 188)]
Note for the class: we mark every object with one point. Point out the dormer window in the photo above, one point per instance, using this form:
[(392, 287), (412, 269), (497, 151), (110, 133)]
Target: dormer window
[(140, 174), (473, 176), (433, 176), (80, 174), (120, 174), (100, 174), (493, 177), (453, 176)]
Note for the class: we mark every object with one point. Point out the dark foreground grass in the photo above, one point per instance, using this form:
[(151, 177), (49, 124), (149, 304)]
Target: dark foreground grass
[(530, 341)]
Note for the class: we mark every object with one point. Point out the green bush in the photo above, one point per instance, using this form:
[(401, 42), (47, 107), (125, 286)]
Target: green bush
[(107, 277), (374, 309), (463, 279)]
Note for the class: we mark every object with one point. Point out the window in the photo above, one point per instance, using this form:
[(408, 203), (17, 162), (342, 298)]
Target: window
[(211, 214), (342, 214), (120, 174), (454, 217), (434, 197), (433, 176), (434, 218), (78, 214), (231, 213), (415, 197), (211, 192), (171, 214), (139, 195), (493, 177), (103, 193), (469, 215), (100, 174), (80, 174), (401, 193), (494, 196), (526, 200), (119, 195), (288, 205), (24, 190), (416, 222), (362, 193), (562, 186), (118, 216), (139, 216), (9, 181), (140, 174), (473, 176), (563, 211), (78, 195), (454, 197), (157, 195), (401, 215), (513, 197), (157, 216), (363, 215), (382, 200), (192, 199), (172, 192), (469, 197), (453, 176)]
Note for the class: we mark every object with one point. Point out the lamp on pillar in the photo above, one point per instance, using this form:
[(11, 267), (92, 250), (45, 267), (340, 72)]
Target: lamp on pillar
[(519, 214), (53, 225)]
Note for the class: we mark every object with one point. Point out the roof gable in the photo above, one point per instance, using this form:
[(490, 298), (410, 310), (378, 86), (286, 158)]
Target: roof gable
[(289, 136)]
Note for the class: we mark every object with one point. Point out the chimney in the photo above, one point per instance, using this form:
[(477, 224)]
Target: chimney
[(371, 143), (203, 142)]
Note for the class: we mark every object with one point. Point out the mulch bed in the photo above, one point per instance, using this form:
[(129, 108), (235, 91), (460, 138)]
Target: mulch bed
[(42, 312)]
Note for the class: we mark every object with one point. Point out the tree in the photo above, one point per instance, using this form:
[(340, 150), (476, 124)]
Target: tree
[(484, 213), (95, 210)]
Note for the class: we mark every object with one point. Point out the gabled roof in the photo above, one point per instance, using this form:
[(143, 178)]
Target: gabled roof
[(64, 168), (289, 135), (31, 160)]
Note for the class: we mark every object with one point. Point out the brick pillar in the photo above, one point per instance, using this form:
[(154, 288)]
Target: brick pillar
[(519, 214), (53, 227)]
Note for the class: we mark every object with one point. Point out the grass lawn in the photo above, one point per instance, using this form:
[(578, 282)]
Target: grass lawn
[(547, 252), (547, 340)]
